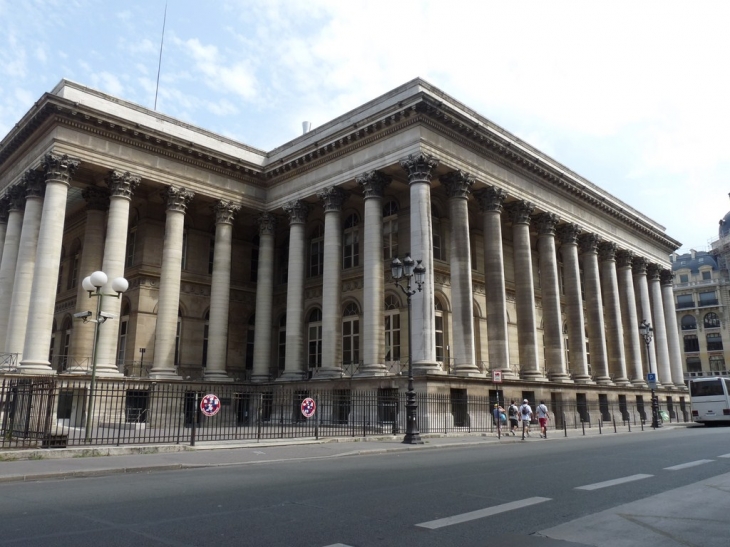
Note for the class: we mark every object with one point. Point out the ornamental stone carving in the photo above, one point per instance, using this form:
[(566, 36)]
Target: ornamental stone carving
[(457, 184), (225, 211), (624, 258), (653, 271), (588, 243), (520, 211), (332, 198), (419, 167), (666, 277), (639, 265), (4, 209), (178, 199), (16, 198), (122, 183), (297, 211), (97, 198), (545, 223), (59, 167), (373, 184), (607, 250), (568, 234), (490, 199), (267, 224), (34, 184)]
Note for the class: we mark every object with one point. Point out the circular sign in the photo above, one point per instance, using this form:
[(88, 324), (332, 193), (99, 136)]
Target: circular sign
[(210, 405), (308, 407)]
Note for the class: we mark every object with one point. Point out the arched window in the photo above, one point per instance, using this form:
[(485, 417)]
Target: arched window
[(390, 230), (315, 338), (123, 331), (711, 321), (689, 322), (206, 328), (438, 251), (350, 242), (392, 329), (316, 251), (249, 341), (281, 356), (351, 334), (255, 258), (440, 337)]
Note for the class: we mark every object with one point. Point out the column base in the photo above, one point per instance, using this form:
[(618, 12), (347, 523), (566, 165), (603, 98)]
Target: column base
[(328, 373), (560, 378), (77, 371), (216, 376), (292, 376), (107, 371), (621, 382), (639, 383), (681, 387), (422, 368), (164, 374), (468, 371), (507, 374), (371, 370), (604, 381), (39, 368), (260, 378), (583, 379), (533, 376)]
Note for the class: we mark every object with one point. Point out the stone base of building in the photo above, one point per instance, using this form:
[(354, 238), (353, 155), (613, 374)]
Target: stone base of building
[(164, 374), (36, 368), (583, 379), (371, 370), (561, 378), (603, 381), (216, 376)]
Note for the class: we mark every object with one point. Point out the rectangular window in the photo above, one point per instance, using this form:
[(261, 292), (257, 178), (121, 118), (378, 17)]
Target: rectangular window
[(691, 343), (684, 278), (717, 363), (708, 299), (685, 301), (694, 364), (714, 341), (706, 276), (316, 257)]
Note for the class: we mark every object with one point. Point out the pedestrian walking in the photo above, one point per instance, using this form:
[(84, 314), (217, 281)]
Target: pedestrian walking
[(498, 415), (513, 413), (543, 416), (526, 417)]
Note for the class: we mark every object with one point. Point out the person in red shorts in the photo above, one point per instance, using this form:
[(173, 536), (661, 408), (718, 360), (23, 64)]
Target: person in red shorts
[(542, 417)]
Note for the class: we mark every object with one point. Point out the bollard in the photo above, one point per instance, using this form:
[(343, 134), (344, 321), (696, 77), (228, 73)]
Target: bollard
[(600, 432), (614, 425), (629, 426), (565, 425), (583, 425), (195, 419)]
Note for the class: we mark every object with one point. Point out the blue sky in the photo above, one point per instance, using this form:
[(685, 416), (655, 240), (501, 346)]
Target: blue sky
[(631, 95)]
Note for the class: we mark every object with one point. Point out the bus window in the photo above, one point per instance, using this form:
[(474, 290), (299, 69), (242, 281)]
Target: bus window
[(707, 388)]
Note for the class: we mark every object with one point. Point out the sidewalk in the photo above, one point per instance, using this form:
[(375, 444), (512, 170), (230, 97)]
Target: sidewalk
[(60, 463)]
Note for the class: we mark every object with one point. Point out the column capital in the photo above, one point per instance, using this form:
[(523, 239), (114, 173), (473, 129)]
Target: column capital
[(625, 258), (607, 250), (225, 211), (373, 184), (588, 243), (332, 198), (178, 198), (457, 184), (122, 183), (59, 168), (653, 271), (545, 223), (639, 265), (666, 277), (419, 167), (267, 224), (16, 198), (520, 211), (34, 184), (4, 208), (490, 199), (297, 211), (97, 198), (568, 234)]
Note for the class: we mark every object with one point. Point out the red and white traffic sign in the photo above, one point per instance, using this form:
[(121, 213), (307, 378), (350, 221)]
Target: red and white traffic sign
[(308, 407), (497, 376), (210, 405)]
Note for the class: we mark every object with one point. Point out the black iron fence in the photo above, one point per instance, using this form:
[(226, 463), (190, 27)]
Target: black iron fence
[(54, 412)]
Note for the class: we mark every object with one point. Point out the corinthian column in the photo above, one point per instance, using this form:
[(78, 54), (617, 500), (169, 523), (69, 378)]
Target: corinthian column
[(220, 292), (264, 302), (594, 309), (373, 349), (520, 212), (122, 186), (632, 344), (20, 301), (294, 361), (332, 200), (82, 335), (661, 365), (490, 202), (59, 170), (168, 303), (458, 186), (16, 205), (643, 305), (423, 352), (612, 314), (670, 319), (552, 318)]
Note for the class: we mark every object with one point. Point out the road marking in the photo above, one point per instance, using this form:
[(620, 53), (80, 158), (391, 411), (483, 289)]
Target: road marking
[(686, 465), (481, 513), (339, 545), (613, 482), (724, 456)]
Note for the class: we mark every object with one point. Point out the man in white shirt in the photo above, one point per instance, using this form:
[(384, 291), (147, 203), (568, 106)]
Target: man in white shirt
[(526, 417), (542, 417)]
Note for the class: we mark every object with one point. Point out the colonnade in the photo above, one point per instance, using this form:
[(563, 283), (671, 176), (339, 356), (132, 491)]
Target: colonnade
[(602, 311)]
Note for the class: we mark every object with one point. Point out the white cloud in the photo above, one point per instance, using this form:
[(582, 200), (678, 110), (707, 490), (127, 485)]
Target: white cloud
[(109, 83)]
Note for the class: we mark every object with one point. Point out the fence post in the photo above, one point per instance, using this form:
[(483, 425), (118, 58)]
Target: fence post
[(259, 410), (316, 418), (600, 431), (565, 425), (583, 425), (614, 424), (195, 418)]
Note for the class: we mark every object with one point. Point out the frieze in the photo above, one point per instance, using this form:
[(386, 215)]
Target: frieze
[(458, 184), (479, 288), (373, 184), (419, 167), (490, 199), (313, 292), (65, 306), (244, 297), (510, 295), (59, 167), (195, 289), (352, 285), (122, 183)]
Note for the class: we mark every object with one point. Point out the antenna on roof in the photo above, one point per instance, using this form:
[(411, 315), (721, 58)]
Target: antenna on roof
[(159, 63)]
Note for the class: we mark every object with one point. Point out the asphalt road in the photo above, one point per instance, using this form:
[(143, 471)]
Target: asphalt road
[(395, 499)]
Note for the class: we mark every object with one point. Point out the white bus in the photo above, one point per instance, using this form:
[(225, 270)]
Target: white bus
[(710, 399)]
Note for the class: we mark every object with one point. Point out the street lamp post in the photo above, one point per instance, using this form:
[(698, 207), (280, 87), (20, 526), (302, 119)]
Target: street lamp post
[(93, 284), (647, 332), (399, 270)]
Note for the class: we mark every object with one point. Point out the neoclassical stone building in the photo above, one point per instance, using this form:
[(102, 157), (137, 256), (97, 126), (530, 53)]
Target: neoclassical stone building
[(275, 266)]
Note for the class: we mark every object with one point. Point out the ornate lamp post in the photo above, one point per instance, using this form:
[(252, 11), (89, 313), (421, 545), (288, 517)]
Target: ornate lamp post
[(399, 270), (647, 332), (93, 284)]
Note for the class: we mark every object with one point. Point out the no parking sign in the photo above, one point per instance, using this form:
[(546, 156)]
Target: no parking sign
[(308, 407), (210, 405)]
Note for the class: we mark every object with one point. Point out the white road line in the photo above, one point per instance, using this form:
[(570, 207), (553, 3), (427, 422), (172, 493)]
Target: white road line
[(613, 482), (481, 513), (339, 545), (724, 456), (686, 465)]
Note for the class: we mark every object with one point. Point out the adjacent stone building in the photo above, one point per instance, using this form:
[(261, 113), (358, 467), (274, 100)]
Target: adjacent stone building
[(274, 266)]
